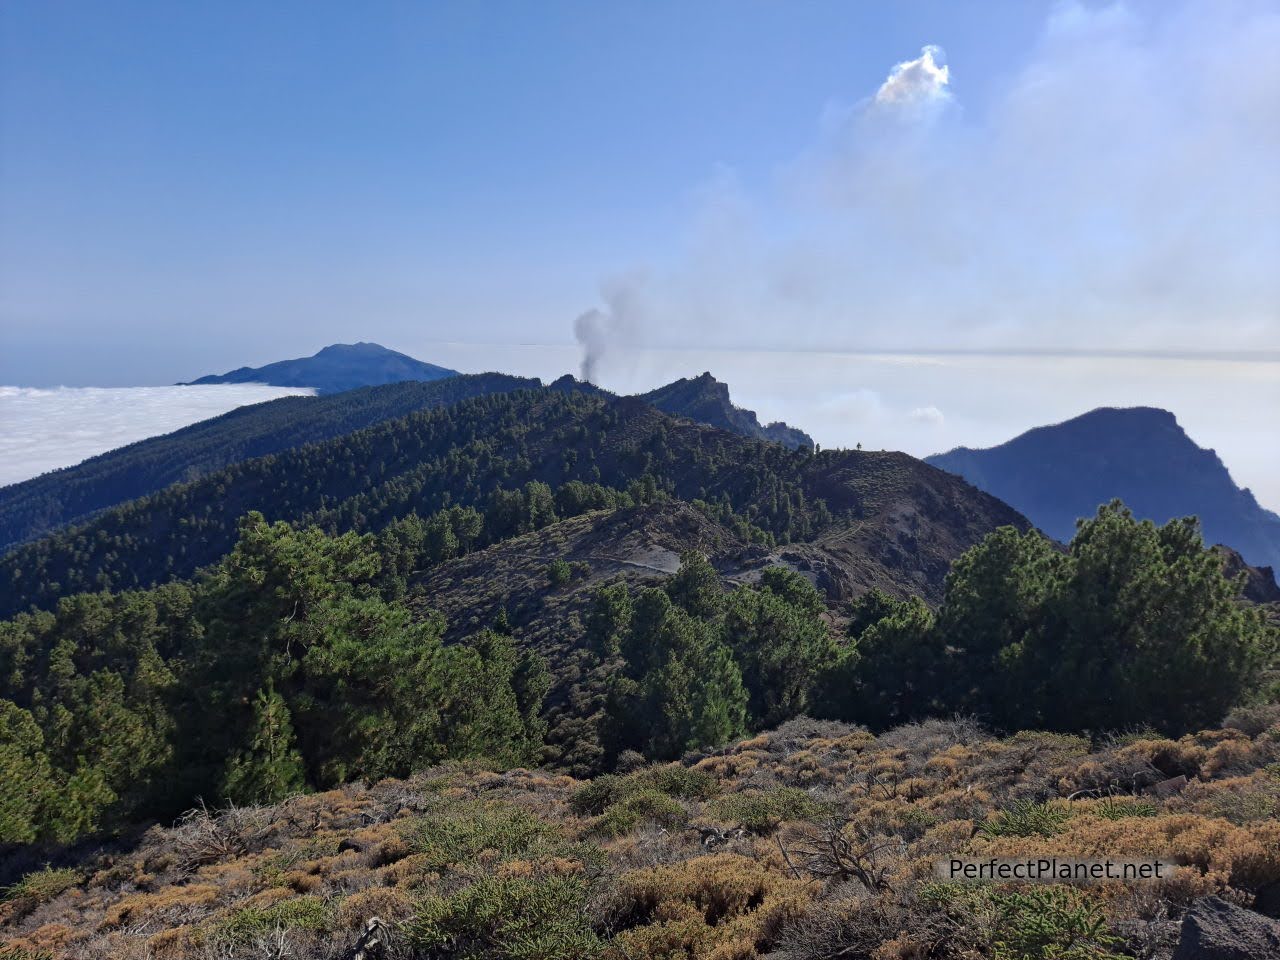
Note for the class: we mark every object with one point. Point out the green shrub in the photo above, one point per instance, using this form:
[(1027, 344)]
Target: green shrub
[(1054, 923), (457, 833), (40, 887), (673, 780), (300, 913), (559, 573), (516, 918), (1118, 808), (595, 797), (762, 811), (646, 806), (679, 781), (1025, 818)]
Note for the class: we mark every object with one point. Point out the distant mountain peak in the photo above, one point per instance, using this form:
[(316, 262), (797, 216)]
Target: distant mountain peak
[(337, 367), (706, 400), (1055, 474), (360, 347)]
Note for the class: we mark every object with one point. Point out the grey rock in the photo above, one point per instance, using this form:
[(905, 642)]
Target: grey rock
[(1214, 929)]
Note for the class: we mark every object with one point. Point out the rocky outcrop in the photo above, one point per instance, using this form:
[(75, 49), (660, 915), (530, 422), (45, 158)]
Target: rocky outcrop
[(1215, 929)]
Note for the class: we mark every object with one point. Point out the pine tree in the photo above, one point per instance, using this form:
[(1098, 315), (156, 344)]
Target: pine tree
[(270, 767)]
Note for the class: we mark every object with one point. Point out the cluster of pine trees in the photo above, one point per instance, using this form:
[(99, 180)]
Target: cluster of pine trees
[(1133, 626), (285, 667), (702, 666)]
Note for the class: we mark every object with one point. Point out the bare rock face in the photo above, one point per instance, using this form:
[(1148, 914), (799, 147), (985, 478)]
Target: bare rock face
[(1214, 929)]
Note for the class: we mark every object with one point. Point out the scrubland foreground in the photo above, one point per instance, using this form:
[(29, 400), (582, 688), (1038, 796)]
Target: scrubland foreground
[(814, 840)]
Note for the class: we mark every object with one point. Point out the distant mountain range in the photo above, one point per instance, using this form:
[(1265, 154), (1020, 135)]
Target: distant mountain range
[(1057, 474), (346, 366), (342, 366)]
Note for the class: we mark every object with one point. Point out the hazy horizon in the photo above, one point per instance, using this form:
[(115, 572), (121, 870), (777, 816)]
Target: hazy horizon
[(840, 399)]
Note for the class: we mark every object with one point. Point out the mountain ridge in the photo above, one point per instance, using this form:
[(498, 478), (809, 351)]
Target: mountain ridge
[(362, 480), (1057, 473), (706, 400), (42, 505)]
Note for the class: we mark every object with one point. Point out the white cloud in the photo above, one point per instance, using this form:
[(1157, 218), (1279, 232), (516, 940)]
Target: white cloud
[(42, 430), (853, 406), (915, 83), (930, 415)]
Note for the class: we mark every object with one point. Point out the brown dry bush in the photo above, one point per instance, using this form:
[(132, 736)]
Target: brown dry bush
[(204, 836), (721, 905), (849, 923)]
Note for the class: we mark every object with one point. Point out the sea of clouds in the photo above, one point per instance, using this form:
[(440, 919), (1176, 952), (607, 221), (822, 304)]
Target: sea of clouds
[(44, 429)]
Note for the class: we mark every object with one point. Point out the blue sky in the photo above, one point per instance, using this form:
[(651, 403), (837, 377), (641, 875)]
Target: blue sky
[(910, 225), (187, 186)]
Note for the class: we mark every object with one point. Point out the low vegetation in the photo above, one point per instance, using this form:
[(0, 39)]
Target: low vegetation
[(813, 840)]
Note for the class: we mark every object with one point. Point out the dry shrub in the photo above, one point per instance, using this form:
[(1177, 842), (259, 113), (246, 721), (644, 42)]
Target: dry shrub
[(387, 903), (1238, 799), (851, 924), (175, 943), (47, 938), (415, 870), (799, 732), (919, 742), (693, 908), (1217, 853), (1234, 757), (203, 836), (170, 906), (1028, 765), (1253, 720), (269, 897)]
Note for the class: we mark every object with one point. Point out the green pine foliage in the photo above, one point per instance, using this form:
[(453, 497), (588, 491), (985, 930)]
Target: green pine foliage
[(703, 665), (270, 768), (1135, 624), (283, 668), (521, 459)]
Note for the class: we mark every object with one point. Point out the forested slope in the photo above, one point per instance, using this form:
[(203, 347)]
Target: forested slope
[(463, 453), (43, 504)]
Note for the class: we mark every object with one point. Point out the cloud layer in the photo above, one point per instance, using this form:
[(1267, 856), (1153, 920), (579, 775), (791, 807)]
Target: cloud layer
[(42, 430), (1118, 193)]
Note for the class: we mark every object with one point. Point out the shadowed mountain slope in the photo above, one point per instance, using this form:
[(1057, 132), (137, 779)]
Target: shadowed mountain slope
[(341, 366), (894, 509), (43, 504), (1057, 474)]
